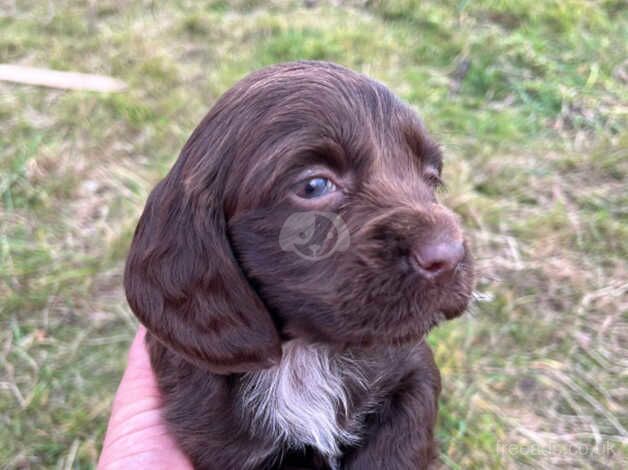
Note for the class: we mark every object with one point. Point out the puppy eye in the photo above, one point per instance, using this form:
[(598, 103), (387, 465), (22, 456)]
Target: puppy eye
[(316, 187), (434, 179)]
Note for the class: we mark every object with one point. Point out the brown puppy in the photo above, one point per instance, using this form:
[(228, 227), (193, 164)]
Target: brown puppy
[(288, 269)]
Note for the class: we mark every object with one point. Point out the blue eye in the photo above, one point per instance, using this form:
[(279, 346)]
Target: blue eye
[(316, 187)]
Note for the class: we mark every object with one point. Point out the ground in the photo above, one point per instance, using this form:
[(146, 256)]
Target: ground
[(529, 101)]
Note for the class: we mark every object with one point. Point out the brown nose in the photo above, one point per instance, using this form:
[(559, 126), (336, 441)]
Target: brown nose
[(438, 260)]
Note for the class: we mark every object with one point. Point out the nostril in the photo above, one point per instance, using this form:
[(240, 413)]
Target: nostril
[(435, 267), (438, 260)]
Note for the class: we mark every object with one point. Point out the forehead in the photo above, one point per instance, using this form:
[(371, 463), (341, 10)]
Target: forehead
[(304, 110), (323, 114)]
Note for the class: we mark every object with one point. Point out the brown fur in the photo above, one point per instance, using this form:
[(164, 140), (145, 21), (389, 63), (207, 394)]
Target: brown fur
[(207, 276)]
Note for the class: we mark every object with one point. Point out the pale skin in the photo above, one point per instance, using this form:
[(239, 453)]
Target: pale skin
[(136, 435)]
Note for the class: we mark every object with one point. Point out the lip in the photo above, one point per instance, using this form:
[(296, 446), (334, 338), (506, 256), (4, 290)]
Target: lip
[(454, 304)]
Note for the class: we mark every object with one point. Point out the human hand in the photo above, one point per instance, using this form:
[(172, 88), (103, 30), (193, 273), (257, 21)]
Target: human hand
[(136, 435)]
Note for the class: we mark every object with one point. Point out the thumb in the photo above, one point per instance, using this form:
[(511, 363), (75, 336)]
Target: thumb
[(137, 436)]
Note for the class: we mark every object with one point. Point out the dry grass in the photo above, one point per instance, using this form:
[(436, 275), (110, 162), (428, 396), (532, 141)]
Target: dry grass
[(529, 99)]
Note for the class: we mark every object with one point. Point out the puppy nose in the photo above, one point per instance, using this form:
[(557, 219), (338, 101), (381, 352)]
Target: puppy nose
[(438, 260)]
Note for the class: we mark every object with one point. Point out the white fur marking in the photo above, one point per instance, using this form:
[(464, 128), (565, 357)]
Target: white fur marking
[(298, 401)]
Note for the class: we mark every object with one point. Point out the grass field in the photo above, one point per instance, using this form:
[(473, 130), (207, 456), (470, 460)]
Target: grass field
[(529, 99)]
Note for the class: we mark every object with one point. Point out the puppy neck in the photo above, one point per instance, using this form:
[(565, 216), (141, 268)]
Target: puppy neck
[(303, 400)]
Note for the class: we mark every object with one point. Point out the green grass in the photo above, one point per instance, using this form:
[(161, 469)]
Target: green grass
[(537, 164)]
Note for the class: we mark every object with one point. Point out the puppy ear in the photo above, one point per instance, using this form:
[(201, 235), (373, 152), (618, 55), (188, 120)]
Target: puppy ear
[(183, 283)]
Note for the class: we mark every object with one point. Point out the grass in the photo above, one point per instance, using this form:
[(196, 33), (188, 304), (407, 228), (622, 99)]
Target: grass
[(528, 98)]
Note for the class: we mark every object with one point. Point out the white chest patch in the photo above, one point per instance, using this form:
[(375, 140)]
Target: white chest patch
[(299, 400)]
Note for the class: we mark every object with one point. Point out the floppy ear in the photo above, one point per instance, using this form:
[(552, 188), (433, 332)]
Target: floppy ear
[(183, 283)]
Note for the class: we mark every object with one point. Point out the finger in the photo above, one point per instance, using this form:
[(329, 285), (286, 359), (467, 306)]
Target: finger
[(138, 360)]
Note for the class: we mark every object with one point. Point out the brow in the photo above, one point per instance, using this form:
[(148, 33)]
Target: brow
[(327, 153), (428, 152)]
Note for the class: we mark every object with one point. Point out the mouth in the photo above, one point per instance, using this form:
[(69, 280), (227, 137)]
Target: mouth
[(450, 303)]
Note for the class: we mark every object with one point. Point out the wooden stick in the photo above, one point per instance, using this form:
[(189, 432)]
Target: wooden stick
[(57, 79)]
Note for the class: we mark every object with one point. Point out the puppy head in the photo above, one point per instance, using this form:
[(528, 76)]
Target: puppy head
[(303, 205)]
